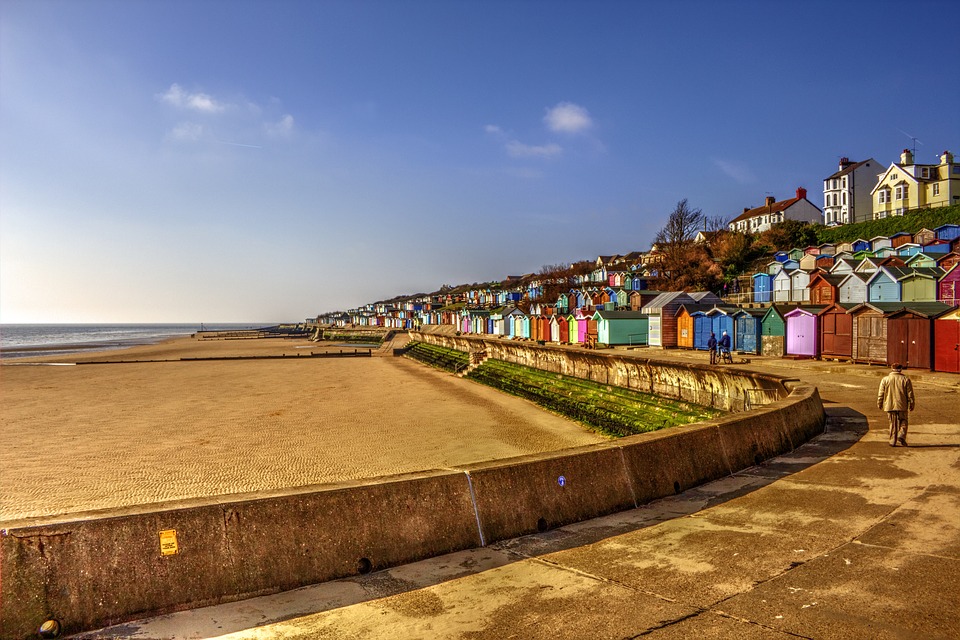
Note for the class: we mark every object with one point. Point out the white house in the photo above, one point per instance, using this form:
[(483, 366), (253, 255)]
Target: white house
[(847, 194), (762, 218)]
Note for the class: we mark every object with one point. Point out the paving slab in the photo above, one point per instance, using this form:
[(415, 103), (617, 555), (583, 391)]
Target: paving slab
[(859, 591)]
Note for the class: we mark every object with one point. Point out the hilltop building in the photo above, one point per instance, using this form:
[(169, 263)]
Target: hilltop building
[(762, 218), (847, 194), (906, 185)]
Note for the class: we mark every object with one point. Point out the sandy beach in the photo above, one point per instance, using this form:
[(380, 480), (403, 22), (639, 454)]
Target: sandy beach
[(76, 438)]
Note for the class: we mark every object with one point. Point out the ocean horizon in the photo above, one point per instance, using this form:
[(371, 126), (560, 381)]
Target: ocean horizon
[(23, 340)]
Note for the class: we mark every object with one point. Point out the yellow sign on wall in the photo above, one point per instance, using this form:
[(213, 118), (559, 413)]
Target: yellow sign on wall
[(168, 543)]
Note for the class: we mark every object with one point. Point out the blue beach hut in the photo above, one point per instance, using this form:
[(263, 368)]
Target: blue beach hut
[(762, 287), (701, 331), (721, 319), (747, 323)]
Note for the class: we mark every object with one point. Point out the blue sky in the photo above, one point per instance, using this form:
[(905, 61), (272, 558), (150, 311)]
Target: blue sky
[(267, 161)]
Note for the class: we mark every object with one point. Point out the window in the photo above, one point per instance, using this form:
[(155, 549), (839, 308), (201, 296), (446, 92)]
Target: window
[(844, 183), (936, 188), (844, 197), (882, 196), (900, 193), (924, 172), (834, 183)]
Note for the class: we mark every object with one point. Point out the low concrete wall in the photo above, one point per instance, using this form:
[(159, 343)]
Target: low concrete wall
[(102, 568), (720, 387), (94, 569)]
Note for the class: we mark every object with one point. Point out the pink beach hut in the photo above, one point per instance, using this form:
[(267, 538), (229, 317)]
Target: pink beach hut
[(801, 331)]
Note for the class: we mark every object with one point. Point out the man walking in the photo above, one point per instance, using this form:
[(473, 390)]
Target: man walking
[(712, 346), (896, 398)]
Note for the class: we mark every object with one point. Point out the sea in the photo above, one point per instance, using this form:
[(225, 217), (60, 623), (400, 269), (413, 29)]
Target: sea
[(22, 340)]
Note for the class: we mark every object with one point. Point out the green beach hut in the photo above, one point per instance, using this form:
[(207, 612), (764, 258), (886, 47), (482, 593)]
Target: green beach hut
[(773, 329), (621, 327)]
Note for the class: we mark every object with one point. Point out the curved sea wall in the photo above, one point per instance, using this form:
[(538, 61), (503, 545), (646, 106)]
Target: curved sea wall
[(92, 569), (719, 387)]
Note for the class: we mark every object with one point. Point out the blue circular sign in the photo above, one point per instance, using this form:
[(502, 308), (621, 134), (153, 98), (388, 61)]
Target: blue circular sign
[(561, 481)]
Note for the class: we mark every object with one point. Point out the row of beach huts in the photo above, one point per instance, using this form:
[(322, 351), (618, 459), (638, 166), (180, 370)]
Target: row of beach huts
[(880, 301)]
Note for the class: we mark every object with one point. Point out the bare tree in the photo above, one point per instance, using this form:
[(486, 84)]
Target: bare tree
[(682, 225), (685, 265)]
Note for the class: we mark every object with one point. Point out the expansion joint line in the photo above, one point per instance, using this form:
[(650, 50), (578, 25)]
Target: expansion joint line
[(593, 576), (476, 511)]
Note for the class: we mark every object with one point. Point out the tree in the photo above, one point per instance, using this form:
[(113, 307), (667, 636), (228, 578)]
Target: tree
[(735, 252), (682, 225), (684, 264), (789, 234)]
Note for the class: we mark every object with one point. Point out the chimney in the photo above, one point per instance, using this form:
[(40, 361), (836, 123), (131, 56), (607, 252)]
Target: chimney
[(801, 193), (770, 201), (906, 157), (745, 209), (844, 163), (946, 158)]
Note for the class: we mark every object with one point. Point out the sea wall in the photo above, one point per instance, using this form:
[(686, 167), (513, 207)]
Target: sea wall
[(93, 569), (723, 388)]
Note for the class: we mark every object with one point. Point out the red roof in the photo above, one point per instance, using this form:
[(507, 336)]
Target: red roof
[(776, 207)]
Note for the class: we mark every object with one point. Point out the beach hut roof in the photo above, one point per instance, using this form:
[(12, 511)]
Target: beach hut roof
[(845, 306), (694, 307), (925, 309), (808, 310), (705, 296), (725, 309), (619, 315), (885, 308), (833, 278), (666, 298)]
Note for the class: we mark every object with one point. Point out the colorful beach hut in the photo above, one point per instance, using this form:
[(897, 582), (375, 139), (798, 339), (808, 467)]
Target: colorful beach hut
[(948, 290), (762, 287), (685, 324), (773, 331), (621, 327), (836, 332), (910, 334), (946, 340), (721, 319), (747, 329), (801, 332), (870, 331), (662, 312), (824, 288)]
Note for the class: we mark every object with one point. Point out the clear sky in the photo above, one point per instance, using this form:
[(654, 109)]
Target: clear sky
[(216, 161)]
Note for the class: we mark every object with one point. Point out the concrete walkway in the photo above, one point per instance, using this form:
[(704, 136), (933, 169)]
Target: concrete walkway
[(845, 537)]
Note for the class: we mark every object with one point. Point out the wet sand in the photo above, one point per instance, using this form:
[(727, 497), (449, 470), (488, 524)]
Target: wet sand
[(76, 438)]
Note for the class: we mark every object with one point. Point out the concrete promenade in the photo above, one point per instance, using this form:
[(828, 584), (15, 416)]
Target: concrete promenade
[(845, 537)]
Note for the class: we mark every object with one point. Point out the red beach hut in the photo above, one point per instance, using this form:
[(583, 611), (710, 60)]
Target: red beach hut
[(910, 334), (946, 339), (836, 332)]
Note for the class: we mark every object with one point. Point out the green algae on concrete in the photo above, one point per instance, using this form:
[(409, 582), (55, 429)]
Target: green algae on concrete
[(613, 411)]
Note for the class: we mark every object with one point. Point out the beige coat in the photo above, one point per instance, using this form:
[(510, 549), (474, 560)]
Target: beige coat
[(896, 393)]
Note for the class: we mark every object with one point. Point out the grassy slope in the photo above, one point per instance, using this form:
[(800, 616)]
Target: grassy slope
[(911, 223)]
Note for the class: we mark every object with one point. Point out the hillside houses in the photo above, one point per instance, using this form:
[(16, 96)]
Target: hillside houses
[(773, 212)]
